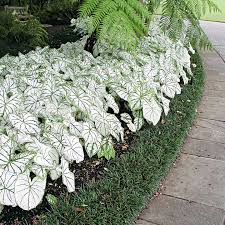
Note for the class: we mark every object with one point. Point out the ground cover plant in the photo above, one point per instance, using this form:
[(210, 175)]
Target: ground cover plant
[(134, 177), (56, 103), (60, 106)]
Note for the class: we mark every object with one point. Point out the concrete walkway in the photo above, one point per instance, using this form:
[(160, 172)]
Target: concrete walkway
[(195, 188)]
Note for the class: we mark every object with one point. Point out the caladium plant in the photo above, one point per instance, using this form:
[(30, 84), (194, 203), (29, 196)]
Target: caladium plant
[(57, 103)]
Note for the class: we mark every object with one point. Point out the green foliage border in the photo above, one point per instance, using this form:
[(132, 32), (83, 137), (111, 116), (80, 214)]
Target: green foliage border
[(133, 179)]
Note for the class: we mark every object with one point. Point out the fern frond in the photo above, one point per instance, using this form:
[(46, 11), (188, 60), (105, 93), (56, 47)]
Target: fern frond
[(88, 7), (120, 22), (176, 13)]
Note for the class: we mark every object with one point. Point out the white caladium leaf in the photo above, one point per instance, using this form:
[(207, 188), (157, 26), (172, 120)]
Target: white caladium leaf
[(46, 156), (18, 163), (67, 176), (101, 121), (1, 206), (51, 90), (135, 100), (100, 89), (9, 85), (116, 129), (23, 138), (7, 185), (76, 128), (25, 122), (112, 103), (151, 111), (29, 193), (138, 122), (171, 88), (39, 171), (122, 93), (56, 140), (90, 134), (132, 127), (126, 118), (6, 150), (56, 172), (166, 105), (92, 148), (33, 102), (80, 99), (73, 150), (8, 104)]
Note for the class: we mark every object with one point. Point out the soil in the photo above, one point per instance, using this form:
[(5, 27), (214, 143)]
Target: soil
[(90, 170)]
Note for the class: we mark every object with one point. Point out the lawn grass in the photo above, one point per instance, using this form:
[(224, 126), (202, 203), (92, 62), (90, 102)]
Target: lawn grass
[(217, 16), (131, 180)]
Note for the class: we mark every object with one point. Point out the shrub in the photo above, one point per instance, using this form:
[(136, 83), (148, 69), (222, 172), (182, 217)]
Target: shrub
[(24, 35), (54, 103)]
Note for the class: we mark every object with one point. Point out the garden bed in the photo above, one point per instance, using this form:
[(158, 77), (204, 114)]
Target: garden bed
[(63, 106), (135, 176), (127, 182)]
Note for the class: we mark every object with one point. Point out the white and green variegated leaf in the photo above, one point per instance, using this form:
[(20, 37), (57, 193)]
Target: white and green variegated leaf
[(67, 176), (7, 186), (1, 208), (100, 89), (166, 105), (116, 129), (33, 103), (92, 148), (170, 88), (39, 171), (132, 127), (138, 122), (100, 119), (6, 150), (18, 162), (56, 172), (9, 85), (152, 111), (90, 134), (8, 104), (46, 156), (135, 101), (23, 138), (80, 99), (112, 103), (25, 123), (29, 193), (76, 128), (56, 140), (128, 120), (73, 150), (126, 117), (51, 91)]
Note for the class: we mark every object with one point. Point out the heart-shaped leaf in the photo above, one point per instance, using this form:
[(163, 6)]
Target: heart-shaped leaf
[(29, 193)]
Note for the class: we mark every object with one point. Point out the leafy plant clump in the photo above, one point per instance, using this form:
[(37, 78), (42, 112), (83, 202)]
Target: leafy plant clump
[(132, 179), (56, 103), (20, 35)]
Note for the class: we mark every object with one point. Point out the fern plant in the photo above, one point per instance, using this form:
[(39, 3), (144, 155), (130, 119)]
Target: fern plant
[(120, 22), (185, 14)]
